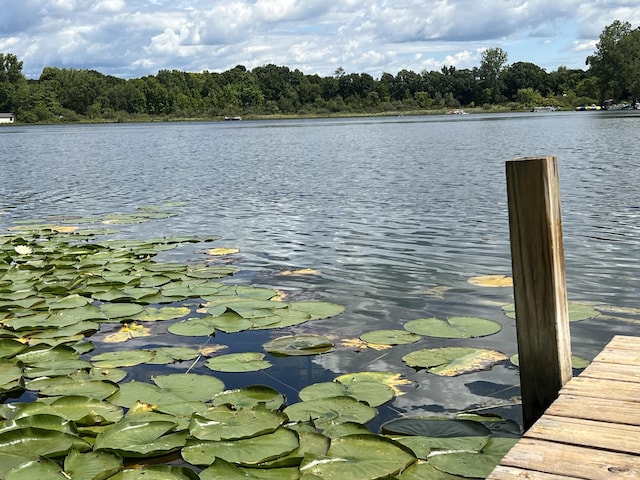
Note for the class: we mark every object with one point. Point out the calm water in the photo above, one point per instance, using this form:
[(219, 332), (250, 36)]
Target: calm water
[(386, 210)]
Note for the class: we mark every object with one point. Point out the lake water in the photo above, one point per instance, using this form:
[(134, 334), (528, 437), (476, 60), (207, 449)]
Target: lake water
[(396, 214)]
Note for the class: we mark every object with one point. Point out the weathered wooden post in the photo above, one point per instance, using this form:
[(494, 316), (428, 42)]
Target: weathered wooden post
[(539, 283)]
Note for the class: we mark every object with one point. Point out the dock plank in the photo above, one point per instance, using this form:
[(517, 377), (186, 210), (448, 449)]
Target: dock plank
[(592, 430), (599, 409), (587, 433), (571, 460)]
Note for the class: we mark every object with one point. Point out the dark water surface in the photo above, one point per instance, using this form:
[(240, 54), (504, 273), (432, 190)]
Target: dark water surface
[(395, 213)]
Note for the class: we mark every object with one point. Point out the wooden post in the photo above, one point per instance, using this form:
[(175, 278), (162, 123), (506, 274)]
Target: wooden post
[(539, 283)]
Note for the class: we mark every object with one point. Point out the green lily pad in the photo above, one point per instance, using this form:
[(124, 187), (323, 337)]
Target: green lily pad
[(131, 393), (140, 439), (453, 327), (318, 310), (372, 393), (10, 376), (359, 457), (238, 362), (23, 445), (424, 434), (156, 472), (122, 358), (223, 423), (167, 355), (246, 452), (390, 337), (194, 327), (299, 345), (422, 470), (576, 362), (117, 311), (453, 361), (99, 389), (91, 465), (41, 468), (79, 409), (249, 397), (473, 464), (331, 410), (151, 314), (190, 386), (577, 311)]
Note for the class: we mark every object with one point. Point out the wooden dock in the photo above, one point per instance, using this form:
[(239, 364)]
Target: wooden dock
[(592, 430)]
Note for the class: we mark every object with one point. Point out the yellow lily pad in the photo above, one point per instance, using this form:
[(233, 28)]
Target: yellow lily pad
[(454, 361), (220, 251), (301, 271), (357, 344), (491, 281), (127, 332), (394, 380)]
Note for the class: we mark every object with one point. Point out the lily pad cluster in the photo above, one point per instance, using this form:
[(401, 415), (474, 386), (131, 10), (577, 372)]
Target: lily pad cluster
[(77, 415)]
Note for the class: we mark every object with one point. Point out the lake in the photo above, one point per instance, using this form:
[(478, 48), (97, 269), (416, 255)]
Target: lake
[(395, 214)]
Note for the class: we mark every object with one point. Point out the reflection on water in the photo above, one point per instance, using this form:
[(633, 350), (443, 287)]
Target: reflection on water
[(386, 209)]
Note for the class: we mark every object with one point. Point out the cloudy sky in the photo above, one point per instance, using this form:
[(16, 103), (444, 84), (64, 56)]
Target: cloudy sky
[(139, 37)]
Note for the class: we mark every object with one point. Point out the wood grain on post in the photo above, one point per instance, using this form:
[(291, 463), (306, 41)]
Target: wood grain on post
[(539, 282)]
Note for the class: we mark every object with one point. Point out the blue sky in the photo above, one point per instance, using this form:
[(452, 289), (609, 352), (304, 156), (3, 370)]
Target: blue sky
[(128, 38)]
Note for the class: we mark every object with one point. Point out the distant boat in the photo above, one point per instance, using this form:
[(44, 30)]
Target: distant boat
[(548, 108), (593, 106), (457, 111), (233, 119)]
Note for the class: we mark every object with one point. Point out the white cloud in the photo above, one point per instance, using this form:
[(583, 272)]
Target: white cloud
[(316, 36)]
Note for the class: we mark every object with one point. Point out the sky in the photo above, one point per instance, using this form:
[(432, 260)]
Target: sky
[(134, 38)]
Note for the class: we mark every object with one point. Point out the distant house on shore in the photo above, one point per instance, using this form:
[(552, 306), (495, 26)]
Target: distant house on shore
[(7, 117)]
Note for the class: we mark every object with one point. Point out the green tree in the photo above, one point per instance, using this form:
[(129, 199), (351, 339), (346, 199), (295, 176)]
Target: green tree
[(491, 69), (524, 75), (11, 79), (616, 61)]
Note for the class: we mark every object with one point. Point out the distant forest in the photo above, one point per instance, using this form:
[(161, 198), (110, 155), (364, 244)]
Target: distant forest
[(72, 95)]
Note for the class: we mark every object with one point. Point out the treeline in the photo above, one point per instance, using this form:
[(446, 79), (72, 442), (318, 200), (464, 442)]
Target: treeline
[(62, 94)]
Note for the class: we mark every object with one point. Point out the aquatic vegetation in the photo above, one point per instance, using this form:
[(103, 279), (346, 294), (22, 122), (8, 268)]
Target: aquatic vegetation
[(66, 288)]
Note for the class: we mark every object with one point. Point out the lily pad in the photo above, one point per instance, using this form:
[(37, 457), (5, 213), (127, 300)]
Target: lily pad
[(23, 445), (394, 380), (473, 464), (249, 397), (576, 362), (491, 281), (223, 423), (453, 327), (140, 439), (299, 345), (194, 327), (359, 457), (454, 361), (424, 434), (122, 358), (79, 409), (156, 472), (128, 331), (331, 410), (190, 386), (246, 452), (372, 393), (577, 311), (238, 362), (390, 337), (91, 465), (151, 314)]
